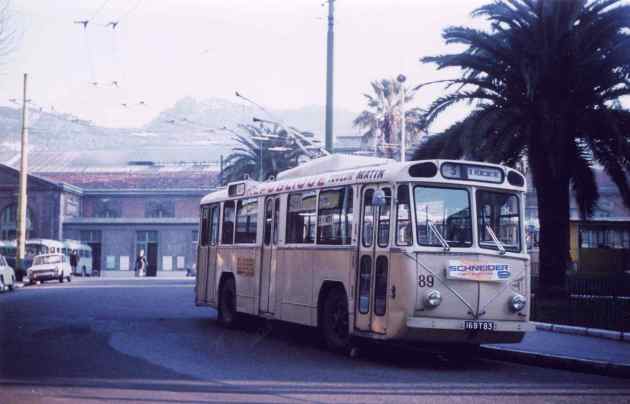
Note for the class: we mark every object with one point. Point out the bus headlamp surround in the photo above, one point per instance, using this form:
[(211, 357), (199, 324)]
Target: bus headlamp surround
[(517, 302), (433, 298)]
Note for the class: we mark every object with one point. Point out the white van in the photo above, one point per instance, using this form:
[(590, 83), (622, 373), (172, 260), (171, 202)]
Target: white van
[(48, 267), (7, 275)]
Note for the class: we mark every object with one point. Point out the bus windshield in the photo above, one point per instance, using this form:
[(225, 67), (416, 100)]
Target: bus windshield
[(443, 210), (498, 213), (47, 259)]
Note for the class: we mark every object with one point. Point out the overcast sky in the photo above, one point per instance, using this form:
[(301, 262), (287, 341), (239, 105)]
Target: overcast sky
[(273, 51)]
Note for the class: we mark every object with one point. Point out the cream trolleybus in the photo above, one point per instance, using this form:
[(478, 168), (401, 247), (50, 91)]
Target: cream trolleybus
[(430, 251)]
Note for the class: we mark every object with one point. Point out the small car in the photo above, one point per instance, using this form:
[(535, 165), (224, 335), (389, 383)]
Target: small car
[(48, 267), (7, 275)]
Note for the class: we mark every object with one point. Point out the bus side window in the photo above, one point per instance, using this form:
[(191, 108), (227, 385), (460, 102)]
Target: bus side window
[(227, 228), (246, 221), (204, 226), (214, 224), (334, 217), (268, 219), (301, 217), (403, 216), (384, 219), (276, 218), (368, 219)]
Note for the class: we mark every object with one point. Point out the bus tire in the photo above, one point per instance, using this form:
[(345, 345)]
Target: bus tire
[(335, 319), (227, 314)]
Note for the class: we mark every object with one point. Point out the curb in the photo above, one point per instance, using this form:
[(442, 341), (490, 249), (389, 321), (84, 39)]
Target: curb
[(557, 361), (584, 331)]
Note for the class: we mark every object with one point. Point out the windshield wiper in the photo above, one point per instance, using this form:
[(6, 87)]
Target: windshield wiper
[(437, 233), (495, 239)]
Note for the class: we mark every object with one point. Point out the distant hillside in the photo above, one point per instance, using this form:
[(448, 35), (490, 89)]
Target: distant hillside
[(169, 137), (217, 112)]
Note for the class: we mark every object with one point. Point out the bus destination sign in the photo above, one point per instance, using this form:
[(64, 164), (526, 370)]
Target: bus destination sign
[(489, 174), (459, 171)]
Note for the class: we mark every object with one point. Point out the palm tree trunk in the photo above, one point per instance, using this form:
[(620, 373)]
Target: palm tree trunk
[(553, 215)]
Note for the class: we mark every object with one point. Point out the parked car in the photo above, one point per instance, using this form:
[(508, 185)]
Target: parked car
[(48, 267), (7, 275)]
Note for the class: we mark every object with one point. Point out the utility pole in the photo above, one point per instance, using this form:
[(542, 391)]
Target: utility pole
[(22, 198), (329, 76)]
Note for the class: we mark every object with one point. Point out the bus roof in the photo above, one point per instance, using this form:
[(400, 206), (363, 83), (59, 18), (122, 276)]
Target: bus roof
[(457, 172)]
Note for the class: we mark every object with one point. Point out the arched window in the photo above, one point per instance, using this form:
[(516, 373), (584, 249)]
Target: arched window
[(8, 222)]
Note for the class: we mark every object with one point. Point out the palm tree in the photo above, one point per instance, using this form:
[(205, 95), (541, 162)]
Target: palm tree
[(263, 151), (381, 120), (544, 82)]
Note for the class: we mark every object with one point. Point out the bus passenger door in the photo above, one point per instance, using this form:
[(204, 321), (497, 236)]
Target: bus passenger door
[(373, 263), (268, 256), (202, 258), (212, 253)]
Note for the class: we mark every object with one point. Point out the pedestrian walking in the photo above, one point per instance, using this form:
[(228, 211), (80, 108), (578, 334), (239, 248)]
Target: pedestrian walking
[(74, 262), (141, 264)]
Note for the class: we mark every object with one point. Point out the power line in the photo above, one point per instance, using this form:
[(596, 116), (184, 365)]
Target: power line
[(99, 10)]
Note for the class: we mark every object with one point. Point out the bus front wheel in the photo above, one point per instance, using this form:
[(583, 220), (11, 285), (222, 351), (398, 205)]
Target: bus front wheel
[(227, 303), (335, 320)]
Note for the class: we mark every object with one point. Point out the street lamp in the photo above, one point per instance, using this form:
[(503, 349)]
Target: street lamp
[(301, 136), (403, 136)]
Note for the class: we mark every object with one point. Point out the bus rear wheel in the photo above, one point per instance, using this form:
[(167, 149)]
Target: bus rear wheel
[(227, 303), (335, 320)]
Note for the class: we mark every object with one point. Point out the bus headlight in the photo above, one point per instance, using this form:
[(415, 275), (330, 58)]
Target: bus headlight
[(433, 298), (517, 302)]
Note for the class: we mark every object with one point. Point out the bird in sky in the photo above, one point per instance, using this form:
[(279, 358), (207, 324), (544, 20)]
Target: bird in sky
[(83, 22), (114, 83), (124, 104), (112, 24), (94, 83)]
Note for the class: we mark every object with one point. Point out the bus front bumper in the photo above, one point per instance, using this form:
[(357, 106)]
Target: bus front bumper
[(451, 330)]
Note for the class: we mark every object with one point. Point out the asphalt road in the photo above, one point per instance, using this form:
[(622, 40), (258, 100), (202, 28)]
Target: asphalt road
[(96, 341)]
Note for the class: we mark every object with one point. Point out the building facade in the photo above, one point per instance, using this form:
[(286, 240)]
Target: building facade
[(49, 204), (599, 243), (150, 210)]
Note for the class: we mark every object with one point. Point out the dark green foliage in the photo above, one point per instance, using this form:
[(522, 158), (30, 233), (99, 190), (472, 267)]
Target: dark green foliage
[(381, 120), (544, 82), (246, 158)]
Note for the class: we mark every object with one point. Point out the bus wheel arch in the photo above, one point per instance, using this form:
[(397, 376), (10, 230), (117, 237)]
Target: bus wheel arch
[(226, 302), (333, 315)]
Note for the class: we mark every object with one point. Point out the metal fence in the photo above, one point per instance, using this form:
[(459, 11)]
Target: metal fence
[(591, 301)]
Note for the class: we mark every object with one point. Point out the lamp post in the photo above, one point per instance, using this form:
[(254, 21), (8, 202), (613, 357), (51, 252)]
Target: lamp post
[(403, 135), (290, 130)]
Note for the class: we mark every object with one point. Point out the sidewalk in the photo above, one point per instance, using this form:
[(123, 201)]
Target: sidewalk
[(565, 351)]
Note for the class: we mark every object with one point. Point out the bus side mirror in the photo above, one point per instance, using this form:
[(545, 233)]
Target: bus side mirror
[(379, 198)]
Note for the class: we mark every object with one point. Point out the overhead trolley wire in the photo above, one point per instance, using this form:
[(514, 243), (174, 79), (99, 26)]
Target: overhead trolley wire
[(98, 10)]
